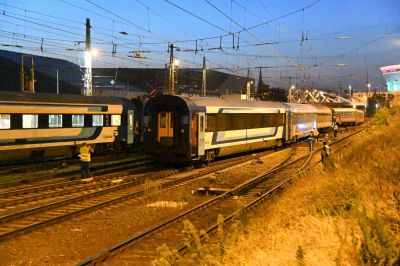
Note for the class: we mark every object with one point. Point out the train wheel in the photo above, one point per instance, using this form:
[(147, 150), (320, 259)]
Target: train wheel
[(210, 156)]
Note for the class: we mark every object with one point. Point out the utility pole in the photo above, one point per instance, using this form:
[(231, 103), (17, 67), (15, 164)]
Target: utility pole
[(368, 85), (204, 80), (166, 76), (171, 79), (58, 85), (88, 86)]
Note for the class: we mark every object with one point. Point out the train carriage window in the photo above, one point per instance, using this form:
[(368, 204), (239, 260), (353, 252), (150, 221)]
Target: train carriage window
[(5, 121), (115, 120), (220, 123), (230, 121), (78, 120), (185, 120), (55, 120), (210, 125), (237, 121), (97, 120), (146, 120), (163, 120), (29, 121)]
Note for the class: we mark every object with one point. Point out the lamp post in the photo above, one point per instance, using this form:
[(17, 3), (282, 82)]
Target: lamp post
[(290, 93), (368, 88), (248, 87), (58, 85)]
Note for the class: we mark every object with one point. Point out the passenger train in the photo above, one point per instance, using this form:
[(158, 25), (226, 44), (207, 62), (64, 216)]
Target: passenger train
[(175, 128), (183, 129), (48, 125)]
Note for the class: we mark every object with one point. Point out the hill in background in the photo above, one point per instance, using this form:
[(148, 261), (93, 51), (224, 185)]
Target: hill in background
[(141, 80)]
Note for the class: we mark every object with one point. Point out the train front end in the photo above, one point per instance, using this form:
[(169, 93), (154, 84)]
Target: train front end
[(166, 129)]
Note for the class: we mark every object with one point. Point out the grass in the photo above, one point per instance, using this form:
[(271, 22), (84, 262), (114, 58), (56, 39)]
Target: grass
[(349, 216)]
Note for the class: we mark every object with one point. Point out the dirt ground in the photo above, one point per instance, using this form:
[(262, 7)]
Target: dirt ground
[(69, 242)]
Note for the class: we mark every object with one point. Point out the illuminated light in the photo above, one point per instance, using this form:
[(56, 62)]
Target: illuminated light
[(376, 106), (176, 62), (354, 106), (369, 85), (292, 87), (302, 126), (388, 69), (95, 52)]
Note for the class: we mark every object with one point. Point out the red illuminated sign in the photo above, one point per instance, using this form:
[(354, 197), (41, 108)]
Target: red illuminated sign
[(389, 69)]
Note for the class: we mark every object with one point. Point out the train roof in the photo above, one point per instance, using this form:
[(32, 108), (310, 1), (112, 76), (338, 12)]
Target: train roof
[(341, 109), (300, 107), (10, 96), (322, 108), (221, 102)]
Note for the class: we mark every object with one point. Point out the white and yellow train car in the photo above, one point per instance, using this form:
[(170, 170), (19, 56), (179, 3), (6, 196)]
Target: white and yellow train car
[(42, 125), (179, 129)]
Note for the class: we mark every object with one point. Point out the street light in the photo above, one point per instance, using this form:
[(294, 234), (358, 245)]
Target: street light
[(290, 93), (176, 62), (350, 90), (58, 85), (368, 87), (248, 87)]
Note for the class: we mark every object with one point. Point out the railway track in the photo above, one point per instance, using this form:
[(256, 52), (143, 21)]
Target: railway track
[(140, 249), (97, 169), (40, 216), (142, 246)]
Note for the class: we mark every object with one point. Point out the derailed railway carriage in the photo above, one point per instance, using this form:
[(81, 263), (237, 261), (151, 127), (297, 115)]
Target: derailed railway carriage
[(180, 129), (48, 125)]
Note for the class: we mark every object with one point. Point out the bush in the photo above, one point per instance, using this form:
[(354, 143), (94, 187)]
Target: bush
[(381, 116), (378, 246)]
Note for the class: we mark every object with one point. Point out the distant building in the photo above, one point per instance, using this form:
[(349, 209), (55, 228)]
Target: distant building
[(392, 77)]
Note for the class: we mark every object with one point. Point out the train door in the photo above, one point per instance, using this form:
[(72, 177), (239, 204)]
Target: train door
[(194, 132), (131, 125), (202, 134), (165, 132)]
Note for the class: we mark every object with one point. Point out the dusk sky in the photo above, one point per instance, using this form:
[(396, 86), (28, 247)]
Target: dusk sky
[(325, 43)]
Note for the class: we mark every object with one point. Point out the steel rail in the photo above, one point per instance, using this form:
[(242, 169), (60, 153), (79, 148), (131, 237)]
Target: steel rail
[(116, 248), (99, 257), (95, 170), (84, 210), (62, 184), (265, 195)]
